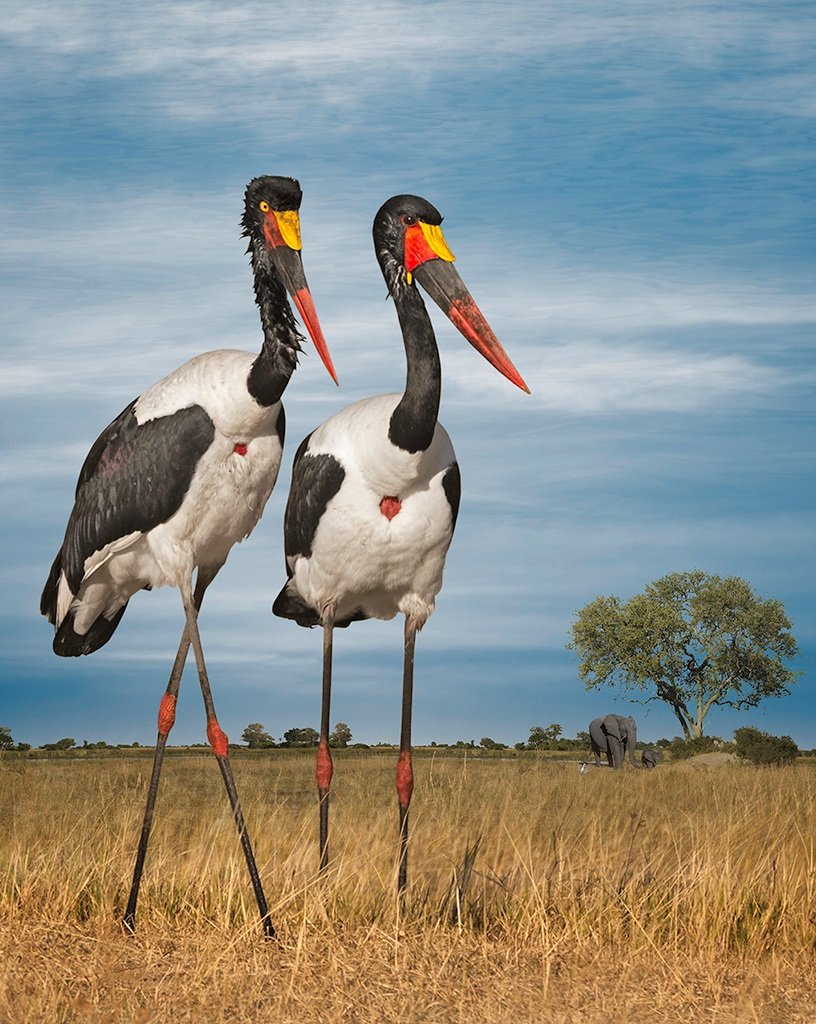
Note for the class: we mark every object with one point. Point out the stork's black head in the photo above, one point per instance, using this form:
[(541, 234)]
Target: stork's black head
[(266, 193), (412, 250), (272, 223), (396, 223)]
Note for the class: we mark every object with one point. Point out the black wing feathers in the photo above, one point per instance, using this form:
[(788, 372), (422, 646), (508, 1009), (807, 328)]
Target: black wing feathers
[(117, 430), (135, 477), (315, 481), (48, 600), (452, 486)]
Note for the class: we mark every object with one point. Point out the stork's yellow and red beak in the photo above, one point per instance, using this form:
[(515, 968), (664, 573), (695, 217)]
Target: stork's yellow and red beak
[(430, 261), (282, 234)]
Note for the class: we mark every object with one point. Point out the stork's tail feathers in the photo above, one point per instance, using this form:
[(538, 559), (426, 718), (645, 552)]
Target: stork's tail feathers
[(69, 644), (289, 606)]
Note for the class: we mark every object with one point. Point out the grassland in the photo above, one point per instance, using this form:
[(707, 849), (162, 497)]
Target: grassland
[(685, 893)]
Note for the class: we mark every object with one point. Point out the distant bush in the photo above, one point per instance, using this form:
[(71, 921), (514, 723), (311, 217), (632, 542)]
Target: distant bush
[(762, 748), (489, 744), (64, 744), (681, 749)]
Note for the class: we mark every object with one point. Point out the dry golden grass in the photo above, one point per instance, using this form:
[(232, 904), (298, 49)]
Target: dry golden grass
[(685, 893)]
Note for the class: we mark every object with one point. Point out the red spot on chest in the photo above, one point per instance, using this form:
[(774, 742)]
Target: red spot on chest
[(240, 448), (390, 506)]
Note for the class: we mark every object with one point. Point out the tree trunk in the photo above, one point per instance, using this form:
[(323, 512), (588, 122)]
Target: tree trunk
[(681, 718)]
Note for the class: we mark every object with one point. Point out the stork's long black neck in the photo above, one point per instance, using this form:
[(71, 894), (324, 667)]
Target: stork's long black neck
[(277, 359), (414, 420)]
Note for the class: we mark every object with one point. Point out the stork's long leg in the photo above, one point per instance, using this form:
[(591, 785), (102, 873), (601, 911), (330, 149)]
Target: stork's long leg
[(167, 716), (220, 746), (324, 758), (405, 774)]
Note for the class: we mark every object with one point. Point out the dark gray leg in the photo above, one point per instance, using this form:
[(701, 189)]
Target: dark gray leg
[(220, 747), (405, 775), (167, 716), (324, 759)]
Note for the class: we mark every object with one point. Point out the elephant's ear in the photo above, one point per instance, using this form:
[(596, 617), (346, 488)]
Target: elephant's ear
[(612, 726)]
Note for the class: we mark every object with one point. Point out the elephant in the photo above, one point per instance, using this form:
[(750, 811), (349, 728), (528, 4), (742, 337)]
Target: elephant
[(613, 735), (650, 757)]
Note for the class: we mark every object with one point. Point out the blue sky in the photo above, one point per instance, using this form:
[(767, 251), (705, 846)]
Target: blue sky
[(628, 188)]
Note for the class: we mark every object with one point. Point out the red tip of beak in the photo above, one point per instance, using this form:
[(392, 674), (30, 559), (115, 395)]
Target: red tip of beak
[(308, 313), (466, 316)]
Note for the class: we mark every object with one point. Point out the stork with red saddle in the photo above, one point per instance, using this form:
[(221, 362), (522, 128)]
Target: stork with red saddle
[(375, 489)]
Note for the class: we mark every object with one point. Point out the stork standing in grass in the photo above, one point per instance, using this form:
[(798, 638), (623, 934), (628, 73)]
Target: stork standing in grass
[(375, 489), (182, 474)]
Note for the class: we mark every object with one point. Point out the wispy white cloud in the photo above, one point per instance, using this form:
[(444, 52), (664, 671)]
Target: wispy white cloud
[(588, 378), (200, 61)]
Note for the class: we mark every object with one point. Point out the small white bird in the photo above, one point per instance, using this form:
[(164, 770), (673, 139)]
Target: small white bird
[(182, 474), (375, 489)]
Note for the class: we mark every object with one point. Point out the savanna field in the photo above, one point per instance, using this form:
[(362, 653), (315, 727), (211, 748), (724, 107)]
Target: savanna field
[(535, 894)]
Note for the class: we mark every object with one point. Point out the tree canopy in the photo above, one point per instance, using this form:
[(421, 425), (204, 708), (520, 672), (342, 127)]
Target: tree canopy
[(341, 736), (305, 737), (697, 641), (544, 739), (256, 736)]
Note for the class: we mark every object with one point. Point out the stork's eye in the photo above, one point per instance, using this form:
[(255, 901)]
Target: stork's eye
[(407, 219), (263, 206)]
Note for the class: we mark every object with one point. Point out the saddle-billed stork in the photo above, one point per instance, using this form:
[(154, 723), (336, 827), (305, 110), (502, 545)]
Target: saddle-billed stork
[(181, 475), (375, 489)]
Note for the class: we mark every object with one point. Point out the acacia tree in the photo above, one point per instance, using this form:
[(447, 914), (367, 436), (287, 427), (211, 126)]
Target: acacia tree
[(306, 737), (544, 739), (698, 641), (256, 736), (341, 737)]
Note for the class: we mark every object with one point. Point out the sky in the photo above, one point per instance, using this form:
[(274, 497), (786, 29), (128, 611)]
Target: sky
[(629, 190)]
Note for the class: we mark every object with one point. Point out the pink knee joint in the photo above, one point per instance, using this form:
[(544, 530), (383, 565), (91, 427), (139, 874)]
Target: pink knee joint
[(167, 714), (218, 738), (325, 769), (405, 778)]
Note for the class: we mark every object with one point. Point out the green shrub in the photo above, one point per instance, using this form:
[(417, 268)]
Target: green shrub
[(762, 748)]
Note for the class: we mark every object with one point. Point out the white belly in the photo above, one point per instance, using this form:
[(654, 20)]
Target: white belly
[(360, 559), (226, 499)]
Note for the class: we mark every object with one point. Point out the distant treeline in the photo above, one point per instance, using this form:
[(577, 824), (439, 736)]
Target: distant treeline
[(749, 744)]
